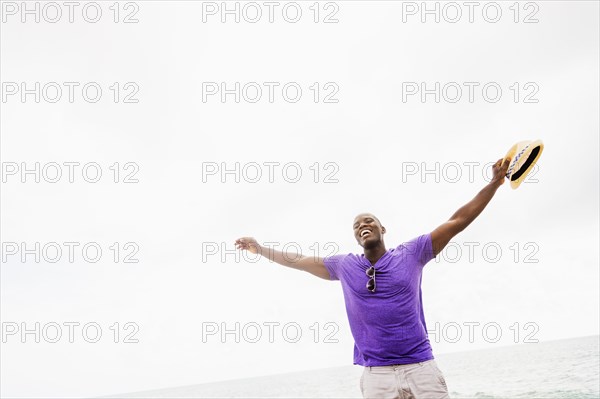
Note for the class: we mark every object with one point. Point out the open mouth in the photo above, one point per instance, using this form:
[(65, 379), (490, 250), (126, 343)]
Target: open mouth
[(365, 233)]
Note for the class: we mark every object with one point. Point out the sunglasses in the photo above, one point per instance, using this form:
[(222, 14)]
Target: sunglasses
[(371, 283)]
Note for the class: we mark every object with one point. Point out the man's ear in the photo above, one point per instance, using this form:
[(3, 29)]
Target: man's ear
[(382, 230)]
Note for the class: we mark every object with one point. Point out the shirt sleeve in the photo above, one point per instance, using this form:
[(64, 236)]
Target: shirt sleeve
[(426, 253), (333, 265), (421, 248)]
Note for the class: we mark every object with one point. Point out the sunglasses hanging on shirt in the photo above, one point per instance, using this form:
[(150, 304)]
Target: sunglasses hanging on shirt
[(371, 283)]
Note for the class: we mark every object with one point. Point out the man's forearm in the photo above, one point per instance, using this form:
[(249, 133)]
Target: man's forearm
[(280, 257), (467, 213), (313, 265)]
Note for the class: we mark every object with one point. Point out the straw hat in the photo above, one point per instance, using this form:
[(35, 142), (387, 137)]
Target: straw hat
[(523, 156)]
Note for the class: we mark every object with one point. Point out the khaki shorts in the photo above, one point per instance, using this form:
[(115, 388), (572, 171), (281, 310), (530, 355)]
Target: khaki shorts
[(422, 380)]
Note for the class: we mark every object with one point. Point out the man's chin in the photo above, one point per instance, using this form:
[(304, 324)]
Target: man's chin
[(369, 243)]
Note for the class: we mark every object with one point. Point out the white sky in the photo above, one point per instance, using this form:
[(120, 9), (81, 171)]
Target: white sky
[(370, 134)]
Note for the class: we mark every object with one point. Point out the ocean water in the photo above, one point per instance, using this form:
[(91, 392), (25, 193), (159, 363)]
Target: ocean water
[(564, 369), (556, 369)]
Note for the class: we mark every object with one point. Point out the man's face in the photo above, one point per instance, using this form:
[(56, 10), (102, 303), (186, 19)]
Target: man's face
[(368, 231)]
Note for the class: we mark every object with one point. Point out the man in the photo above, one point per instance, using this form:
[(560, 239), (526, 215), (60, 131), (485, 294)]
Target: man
[(382, 292)]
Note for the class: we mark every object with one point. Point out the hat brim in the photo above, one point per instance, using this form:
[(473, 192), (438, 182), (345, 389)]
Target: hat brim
[(523, 162)]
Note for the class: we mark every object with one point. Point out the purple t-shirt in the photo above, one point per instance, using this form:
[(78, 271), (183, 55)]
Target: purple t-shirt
[(388, 325)]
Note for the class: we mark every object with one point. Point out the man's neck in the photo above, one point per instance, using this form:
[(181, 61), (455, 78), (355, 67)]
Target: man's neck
[(375, 253)]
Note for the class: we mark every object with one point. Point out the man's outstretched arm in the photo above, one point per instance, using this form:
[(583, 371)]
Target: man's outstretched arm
[(441, 236), (311, 264)]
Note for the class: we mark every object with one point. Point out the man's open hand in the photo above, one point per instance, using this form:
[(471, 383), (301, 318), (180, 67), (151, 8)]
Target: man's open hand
[(249, 244)]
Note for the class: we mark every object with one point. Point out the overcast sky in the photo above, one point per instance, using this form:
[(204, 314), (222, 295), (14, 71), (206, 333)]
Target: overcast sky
[(359, 120)]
